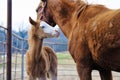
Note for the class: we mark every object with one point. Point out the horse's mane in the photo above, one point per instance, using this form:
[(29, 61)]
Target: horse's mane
[(73, 3)]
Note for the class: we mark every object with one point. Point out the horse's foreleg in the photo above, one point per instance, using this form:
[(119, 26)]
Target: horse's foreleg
[(106, 75), (84, 72)]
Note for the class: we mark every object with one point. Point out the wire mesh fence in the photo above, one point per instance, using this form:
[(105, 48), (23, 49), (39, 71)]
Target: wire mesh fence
[(66, 65), (2, 53)]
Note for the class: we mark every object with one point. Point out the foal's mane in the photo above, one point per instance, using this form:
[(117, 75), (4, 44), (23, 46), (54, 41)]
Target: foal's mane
[(32, 34)]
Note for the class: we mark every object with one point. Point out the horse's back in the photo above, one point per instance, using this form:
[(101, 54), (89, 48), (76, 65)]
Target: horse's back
[(104, 30), (49, 50), (103, 35)]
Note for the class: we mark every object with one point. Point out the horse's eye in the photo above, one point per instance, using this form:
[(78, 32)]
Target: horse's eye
[(42, 27), (37, 10)]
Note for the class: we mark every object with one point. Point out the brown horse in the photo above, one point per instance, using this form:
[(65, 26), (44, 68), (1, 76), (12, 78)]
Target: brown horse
[(40, 61), (93, 32)]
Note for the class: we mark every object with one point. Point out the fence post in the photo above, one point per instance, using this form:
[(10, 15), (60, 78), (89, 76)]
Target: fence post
[(9, 37), (4, 62), (22, 59)]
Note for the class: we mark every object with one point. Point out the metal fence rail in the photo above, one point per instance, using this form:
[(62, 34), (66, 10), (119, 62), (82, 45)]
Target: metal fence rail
[(16, 50)]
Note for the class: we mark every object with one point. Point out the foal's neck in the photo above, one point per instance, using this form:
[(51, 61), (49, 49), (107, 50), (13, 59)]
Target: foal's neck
[(36, 48), (39, 47)]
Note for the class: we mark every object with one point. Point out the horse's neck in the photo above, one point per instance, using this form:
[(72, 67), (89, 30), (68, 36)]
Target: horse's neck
[(65, 16)]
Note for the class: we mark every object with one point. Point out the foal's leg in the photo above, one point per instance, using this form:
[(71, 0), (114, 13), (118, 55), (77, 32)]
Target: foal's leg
[(31, 78), (106, 75), (84, 72), (44, 77), (53, 72), (54, 76)]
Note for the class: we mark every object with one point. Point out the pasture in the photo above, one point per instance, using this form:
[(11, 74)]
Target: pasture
[(66, 68)]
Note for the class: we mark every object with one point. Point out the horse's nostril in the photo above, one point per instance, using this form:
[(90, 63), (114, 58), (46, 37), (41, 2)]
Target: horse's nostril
[(41, 18), (57, 33)]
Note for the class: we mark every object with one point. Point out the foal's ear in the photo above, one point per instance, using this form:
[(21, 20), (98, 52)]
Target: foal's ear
[(32, 21)]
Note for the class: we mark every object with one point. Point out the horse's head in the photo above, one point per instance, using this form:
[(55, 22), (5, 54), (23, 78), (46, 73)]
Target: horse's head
[(42, 31), (44, 13)]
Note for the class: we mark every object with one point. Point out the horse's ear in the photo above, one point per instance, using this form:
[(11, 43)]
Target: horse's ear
[(44, 0), (32, 21)]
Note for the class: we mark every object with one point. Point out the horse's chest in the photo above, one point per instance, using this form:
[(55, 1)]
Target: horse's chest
[(74, 42), (77, 45)]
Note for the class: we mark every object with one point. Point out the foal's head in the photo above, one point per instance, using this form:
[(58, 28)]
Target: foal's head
[(42, 31)]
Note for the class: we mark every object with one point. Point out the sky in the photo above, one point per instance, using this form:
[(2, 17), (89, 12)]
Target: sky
[(22, 9)]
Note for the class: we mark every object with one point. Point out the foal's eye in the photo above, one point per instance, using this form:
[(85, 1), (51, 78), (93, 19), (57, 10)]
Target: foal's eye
[(42, 27)]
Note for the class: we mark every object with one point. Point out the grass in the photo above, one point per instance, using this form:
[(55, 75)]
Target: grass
[(64, 55), (64, 58)]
